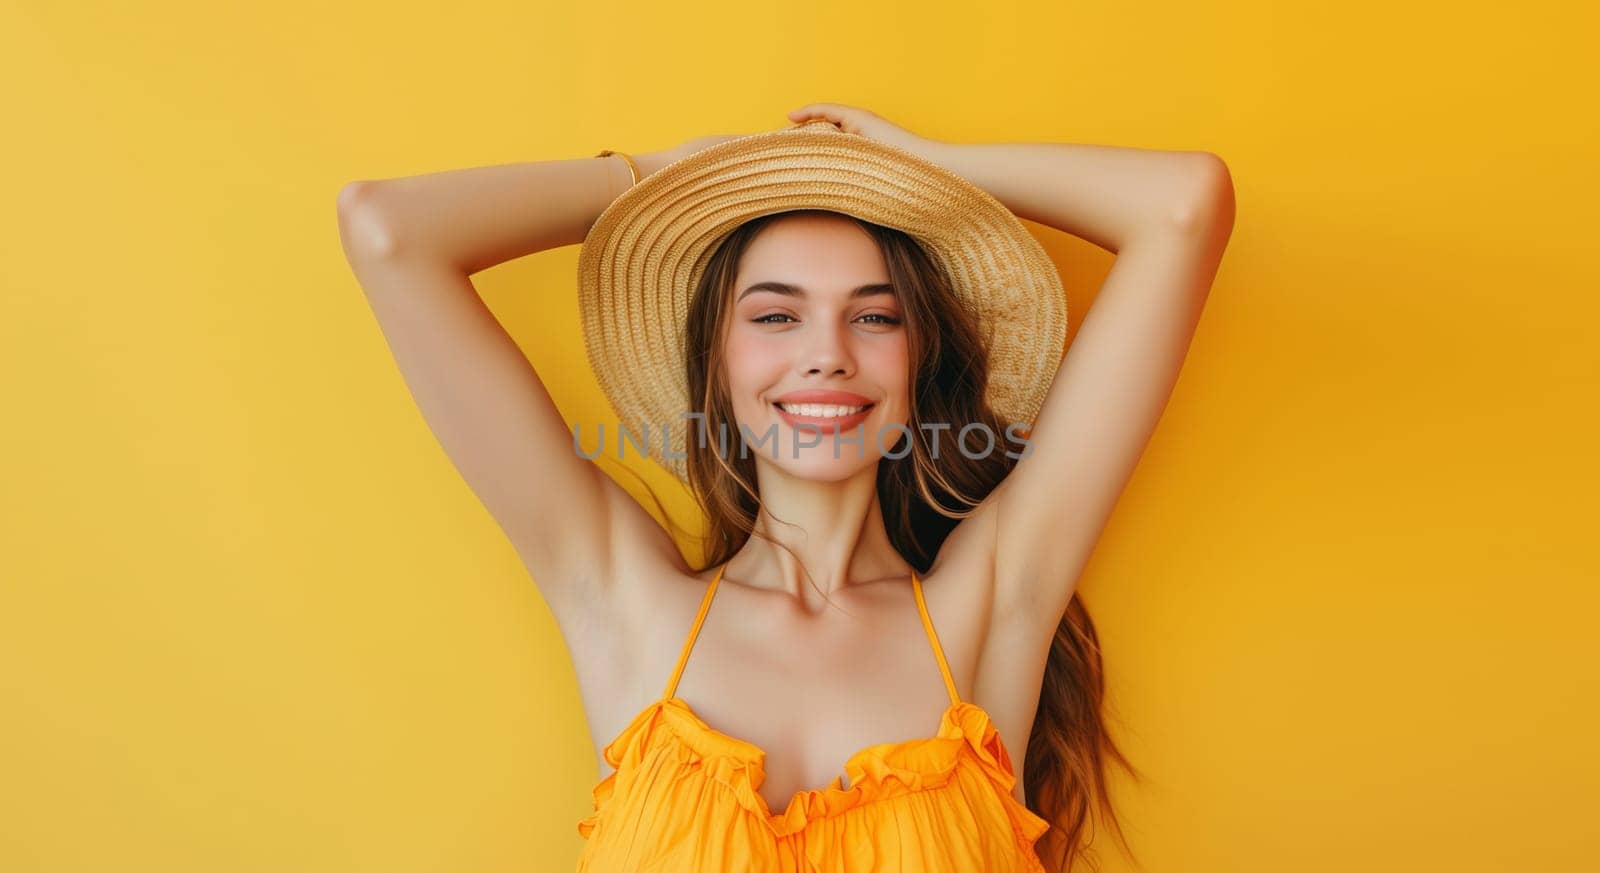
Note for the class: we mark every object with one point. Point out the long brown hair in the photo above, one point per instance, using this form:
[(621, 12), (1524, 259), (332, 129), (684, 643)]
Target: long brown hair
[(921, 500)]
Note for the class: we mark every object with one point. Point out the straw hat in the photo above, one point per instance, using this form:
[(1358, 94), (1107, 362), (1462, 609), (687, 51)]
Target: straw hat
[(644, 256)]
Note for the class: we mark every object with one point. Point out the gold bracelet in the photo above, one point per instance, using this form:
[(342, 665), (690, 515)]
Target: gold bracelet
[(632, 167)]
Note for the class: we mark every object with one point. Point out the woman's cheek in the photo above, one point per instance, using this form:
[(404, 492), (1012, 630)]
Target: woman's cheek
[(889, 367), (754, 367)]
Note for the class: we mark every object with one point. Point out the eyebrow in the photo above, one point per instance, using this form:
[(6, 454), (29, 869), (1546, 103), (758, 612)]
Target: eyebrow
[(797, 291)]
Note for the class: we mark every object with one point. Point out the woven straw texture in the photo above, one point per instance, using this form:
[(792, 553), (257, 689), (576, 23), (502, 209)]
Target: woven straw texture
[(643, 257)]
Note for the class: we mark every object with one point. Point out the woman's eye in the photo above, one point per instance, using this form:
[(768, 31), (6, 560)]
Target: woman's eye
[(882, 318)]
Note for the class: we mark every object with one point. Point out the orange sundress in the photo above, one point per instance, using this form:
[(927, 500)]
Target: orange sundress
[(684, 797)]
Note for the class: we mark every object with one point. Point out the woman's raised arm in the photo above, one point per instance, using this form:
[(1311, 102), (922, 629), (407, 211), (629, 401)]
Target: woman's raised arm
[(1168, 216), (413, 243), (474, 218)]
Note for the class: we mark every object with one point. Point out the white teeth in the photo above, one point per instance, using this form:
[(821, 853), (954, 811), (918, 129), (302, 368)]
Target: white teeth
[(820, 410)]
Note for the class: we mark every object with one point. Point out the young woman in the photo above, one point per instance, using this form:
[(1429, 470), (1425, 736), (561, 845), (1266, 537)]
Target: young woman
[(843, 286)]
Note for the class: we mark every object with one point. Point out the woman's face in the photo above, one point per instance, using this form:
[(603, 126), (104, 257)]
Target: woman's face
[(818, 351)]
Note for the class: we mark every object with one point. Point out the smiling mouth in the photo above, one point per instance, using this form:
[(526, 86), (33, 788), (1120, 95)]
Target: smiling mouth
[(822, 411)]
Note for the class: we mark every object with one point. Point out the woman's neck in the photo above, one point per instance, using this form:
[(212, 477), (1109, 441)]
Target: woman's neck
[(835, 530)]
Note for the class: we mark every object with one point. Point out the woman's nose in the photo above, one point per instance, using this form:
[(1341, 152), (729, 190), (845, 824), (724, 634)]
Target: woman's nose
[(828, 351)]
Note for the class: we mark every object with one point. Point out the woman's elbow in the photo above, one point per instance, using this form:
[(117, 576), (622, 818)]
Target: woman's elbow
[(1210, 200), (363, 229)]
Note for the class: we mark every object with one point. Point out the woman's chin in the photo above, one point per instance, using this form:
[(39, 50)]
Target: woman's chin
[(818, 464)]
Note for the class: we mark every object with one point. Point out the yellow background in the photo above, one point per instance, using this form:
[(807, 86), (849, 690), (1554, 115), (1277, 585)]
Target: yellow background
[(252, 620)]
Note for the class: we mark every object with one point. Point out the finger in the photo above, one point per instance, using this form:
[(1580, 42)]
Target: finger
[(830, 111)]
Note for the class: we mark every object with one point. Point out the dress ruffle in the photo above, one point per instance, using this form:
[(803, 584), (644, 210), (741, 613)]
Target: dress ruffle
[(876, 773)]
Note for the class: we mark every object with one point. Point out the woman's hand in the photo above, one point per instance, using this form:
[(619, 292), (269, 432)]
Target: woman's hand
[(851, 119), (854, 119)]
